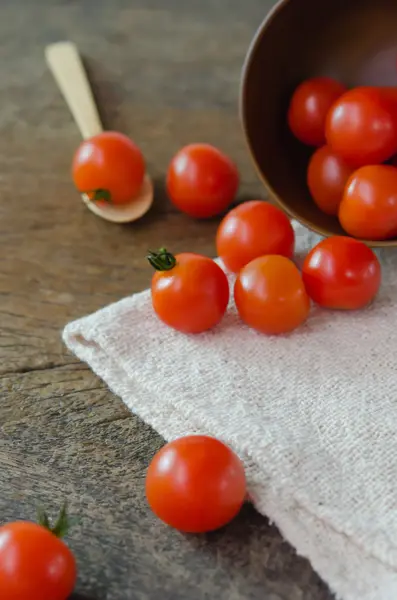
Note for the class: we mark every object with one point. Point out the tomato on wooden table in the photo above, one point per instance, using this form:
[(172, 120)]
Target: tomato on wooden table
[(327, 176), (202, 181), (190, 292), (341, 273), (109, 167), (253, 229), (35, 564), (309, 106), (362, 126), (270, 295), (196, 484), (369, 205)]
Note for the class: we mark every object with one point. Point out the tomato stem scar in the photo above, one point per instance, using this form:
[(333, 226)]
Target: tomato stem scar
[(162, 260)]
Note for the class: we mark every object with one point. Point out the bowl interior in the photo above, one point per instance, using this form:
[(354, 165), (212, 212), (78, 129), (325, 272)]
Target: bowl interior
[(354, 41)]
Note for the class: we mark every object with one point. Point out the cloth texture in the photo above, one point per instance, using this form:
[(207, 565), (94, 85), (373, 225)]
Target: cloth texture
[(313, 415)]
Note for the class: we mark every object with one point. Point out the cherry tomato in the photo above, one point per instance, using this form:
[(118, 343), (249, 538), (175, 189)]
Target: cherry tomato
[(369, 205), (108, 167), (362, 126), (253, 229), (341, 273), (34, 564), (309, 106), (270, 296), (202, 181), (190, 292), (196, 484), (327, 176)]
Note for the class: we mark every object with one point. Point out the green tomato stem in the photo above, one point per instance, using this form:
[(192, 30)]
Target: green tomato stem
[(99, 195), (62, 524), (162, 260)]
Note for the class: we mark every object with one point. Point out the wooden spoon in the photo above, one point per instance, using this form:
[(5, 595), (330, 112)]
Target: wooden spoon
[(66, 66)]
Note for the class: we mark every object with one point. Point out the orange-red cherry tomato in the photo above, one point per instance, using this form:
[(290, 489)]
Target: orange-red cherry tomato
[(202, 181), (361, 126), (190, 292), (253, 229), (196, 484), (309, 106), (270, 295), (341, 273), (109, 167), (327, 176), (34, 564), (369, 205)]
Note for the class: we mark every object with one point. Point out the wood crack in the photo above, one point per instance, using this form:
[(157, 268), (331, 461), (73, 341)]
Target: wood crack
[(48, 366)]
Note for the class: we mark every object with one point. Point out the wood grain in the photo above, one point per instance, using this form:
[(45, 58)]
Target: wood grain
[(166, 74)]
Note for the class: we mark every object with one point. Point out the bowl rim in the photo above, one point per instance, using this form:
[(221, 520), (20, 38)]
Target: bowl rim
[(249, 57)]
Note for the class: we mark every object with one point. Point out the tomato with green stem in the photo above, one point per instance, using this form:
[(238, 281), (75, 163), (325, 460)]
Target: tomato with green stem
[(309, 106), (341, 273), (109, 167), (35, 564), (253, 229), (196, 484), (202, 181), (270, 295), (190, 292)]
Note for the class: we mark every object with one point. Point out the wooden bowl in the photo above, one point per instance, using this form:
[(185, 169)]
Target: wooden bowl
[(354, 41)]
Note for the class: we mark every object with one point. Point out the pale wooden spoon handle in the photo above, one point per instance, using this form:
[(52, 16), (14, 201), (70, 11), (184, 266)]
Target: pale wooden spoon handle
[(65, 64)]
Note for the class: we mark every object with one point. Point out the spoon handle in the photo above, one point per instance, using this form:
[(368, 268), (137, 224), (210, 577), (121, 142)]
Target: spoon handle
[(67, 68)]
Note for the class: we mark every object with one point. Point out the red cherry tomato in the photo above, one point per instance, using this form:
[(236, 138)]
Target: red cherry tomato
[(309, 106), (327, 176), (202, 181), (362, 126), (369, 205), (34, 564), (341, 273), (253, 229), (270, 296), (190, 292), (109, 167), (196, 484)]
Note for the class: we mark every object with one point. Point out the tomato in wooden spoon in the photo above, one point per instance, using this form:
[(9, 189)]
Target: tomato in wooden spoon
[(109, 167)]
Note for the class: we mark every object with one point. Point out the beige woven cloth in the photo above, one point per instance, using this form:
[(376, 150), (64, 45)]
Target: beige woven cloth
[(313, 415)]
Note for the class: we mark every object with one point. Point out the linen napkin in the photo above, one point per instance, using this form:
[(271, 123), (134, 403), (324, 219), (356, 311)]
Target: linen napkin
[(313, 415)]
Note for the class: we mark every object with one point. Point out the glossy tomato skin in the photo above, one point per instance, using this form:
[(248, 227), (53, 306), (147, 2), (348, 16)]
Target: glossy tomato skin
[(109, 161), (253, 229), (361, 126), (270, 295), (202, 181), (341, 273), (193, 296), (309, 106), (34, 564), (327, 176), (369, 205), (196, 484)]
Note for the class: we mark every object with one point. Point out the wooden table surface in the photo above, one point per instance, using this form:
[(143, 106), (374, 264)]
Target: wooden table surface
[(166, 73)]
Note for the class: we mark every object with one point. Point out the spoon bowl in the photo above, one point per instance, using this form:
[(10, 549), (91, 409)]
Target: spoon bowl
[(124, 213)]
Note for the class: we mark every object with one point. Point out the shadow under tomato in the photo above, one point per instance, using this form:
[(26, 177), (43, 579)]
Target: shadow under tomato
[(81, 597)]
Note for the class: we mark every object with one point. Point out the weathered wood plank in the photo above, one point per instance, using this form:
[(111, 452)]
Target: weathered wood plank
[(167, 74)]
